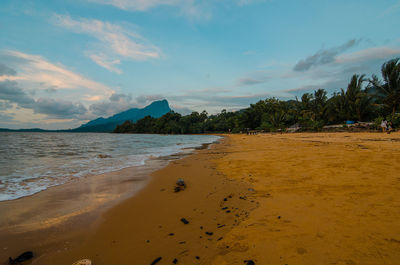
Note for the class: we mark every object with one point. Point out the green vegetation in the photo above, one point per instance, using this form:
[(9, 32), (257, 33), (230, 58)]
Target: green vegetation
[(363, 100)]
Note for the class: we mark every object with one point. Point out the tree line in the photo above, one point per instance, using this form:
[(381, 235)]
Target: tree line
[(364, 99)]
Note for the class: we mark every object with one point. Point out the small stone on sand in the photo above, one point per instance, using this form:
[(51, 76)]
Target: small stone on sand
[(183, 220)]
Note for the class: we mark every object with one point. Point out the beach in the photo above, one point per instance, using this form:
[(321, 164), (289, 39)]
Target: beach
[(301, 198)]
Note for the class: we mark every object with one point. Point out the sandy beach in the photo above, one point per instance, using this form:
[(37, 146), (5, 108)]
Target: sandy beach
[(303, 198)]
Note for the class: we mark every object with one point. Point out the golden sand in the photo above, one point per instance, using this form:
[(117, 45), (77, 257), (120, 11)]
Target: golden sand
[(304, 198), (325, 198)]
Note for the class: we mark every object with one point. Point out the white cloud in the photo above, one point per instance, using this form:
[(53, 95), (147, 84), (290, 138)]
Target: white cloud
[(248, 2), (254, 78), (116, 42), (34, 77), (36, 69), (191, 9), (103, 61), (376, 53), (390, 10), (139, 5)]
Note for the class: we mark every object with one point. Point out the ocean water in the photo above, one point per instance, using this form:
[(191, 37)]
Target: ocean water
[(32, 162)]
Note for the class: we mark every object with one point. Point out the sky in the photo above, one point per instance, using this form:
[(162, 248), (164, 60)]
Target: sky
[(64, 62)]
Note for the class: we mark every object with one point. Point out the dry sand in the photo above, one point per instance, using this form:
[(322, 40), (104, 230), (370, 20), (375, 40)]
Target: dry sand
[(325, 198), (307, 198)]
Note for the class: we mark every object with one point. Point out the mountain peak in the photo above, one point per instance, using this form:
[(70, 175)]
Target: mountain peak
[(155, 109)]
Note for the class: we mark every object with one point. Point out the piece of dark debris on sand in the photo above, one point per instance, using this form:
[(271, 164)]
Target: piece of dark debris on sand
[(183, 220), (21, 258), (180, 185), (156, 260)]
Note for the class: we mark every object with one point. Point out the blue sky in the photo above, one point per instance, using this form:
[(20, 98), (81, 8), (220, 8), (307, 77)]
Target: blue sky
[(63, 63)]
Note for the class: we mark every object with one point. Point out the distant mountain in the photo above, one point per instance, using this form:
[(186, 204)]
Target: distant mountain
[(155, 110), (22, 130)]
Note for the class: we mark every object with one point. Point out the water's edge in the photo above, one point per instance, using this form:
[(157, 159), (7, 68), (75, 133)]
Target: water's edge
[(34, 185), (78, 199)]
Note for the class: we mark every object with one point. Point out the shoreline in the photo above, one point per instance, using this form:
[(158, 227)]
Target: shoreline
[(149, 213), (73, 177), (73, 204)]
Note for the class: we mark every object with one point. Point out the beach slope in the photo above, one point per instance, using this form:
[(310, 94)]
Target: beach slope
[(324, 198)]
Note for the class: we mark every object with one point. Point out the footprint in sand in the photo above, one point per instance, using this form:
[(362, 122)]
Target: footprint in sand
[(225, 248), (301, 251)]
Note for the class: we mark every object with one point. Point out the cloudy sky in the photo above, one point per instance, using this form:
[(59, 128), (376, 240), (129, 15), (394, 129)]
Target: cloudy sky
[(64, 62)]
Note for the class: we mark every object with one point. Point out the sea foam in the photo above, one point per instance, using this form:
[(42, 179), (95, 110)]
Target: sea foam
[(32, 162)]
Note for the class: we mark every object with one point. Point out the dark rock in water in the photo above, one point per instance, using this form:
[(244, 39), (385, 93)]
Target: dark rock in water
[(21, 258), (177, 189), (224, 208), (225, 199), (182, 242), (156, 260), (220, 226), (220, 238), (209, 233), (175, 261), (279, 217), (228, 211), (197, 257), (171, 234), (249, 262), (183, 220)]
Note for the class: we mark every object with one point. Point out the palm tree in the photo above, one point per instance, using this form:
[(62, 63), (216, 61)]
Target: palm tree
[(389, 90), (304, 106), (337, 107), (356, 98), (319, 104)]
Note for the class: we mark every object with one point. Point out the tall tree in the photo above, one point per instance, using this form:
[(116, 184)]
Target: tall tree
[(388, 90), (318, 104), (357, 100)]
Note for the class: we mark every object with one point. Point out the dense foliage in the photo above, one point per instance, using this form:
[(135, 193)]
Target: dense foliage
[(363, 100)]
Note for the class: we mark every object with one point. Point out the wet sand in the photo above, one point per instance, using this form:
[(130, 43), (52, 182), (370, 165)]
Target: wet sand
[(304, 198), (43, 222), (148, 225)]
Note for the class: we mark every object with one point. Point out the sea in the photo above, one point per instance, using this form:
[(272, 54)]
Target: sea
[(32, 162)]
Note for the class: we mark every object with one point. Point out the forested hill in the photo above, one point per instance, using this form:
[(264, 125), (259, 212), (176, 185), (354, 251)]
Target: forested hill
[(155, 109)]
